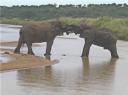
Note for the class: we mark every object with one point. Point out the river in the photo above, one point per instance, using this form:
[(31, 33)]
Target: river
[(73, 75)]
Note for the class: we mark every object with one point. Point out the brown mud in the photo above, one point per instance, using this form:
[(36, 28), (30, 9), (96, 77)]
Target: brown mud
[(20, 61)]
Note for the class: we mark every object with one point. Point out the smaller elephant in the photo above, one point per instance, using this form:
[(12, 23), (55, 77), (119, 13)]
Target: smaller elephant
[(102, 37), (37, 33)]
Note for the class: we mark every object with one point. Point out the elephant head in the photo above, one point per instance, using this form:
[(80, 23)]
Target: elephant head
[(86, 33), (77, 29), (73, 29), (57, 27)]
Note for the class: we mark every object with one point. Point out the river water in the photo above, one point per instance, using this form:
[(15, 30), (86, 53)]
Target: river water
[(73, 75)]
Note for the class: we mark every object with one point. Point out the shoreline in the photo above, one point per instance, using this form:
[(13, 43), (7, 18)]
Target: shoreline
[(13, 44), (23, 61), (11, 25), (11, 61)]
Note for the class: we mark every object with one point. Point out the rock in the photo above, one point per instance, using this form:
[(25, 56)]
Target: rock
[(63, 54)]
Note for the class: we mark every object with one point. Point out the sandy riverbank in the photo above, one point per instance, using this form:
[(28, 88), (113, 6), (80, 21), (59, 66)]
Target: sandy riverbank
[(20, 61)]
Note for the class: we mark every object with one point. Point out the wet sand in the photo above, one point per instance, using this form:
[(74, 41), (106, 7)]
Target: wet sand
[(23, 61), (20, 61)]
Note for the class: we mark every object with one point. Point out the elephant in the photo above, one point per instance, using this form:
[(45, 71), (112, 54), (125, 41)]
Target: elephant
[(39, 32), (77, 29), (102, 37)]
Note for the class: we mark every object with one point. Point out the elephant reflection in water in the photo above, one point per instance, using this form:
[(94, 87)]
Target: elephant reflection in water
[(99, 75), (98, 67), (87, 76), (41, 77)]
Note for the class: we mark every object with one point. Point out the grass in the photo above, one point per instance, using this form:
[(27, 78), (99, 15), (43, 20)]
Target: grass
[(118, 25)]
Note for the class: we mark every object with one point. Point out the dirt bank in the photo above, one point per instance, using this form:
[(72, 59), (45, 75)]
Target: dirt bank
[(20, 61)]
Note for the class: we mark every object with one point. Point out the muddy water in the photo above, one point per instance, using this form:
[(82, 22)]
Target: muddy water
[(98, 75), (7, 33)]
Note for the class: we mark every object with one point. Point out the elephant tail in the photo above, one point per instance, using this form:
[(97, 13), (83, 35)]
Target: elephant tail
[(21, 38)]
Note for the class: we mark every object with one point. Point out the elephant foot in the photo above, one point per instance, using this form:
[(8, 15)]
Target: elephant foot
[(17, 51), (115, 56), (47, 54), (48, 57), (31, 53)]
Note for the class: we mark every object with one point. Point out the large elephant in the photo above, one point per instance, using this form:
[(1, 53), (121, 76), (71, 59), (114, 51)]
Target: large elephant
[(102, 37), (39, 32)]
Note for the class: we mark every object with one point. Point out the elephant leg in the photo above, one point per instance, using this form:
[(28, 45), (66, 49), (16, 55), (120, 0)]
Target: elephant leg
[(113, 50), (29, 45), (86, 48), (20, 42), (48, 48)]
